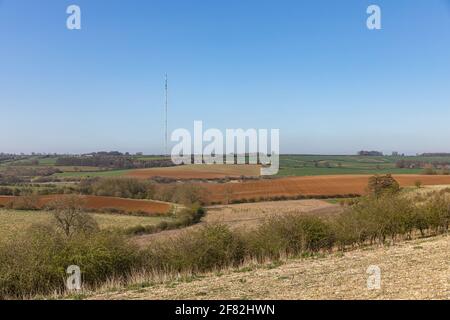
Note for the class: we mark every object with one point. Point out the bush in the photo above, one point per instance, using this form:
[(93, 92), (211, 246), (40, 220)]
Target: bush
[(374, 219), (36, 262), (429, 170), (26, 202), (210, 247), (184, 218), (434, 214), (290, 235), (379, 185)]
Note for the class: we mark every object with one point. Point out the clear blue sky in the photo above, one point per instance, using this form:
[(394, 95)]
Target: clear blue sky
[(308, 67)]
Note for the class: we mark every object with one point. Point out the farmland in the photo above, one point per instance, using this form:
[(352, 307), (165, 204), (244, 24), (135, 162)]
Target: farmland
[(291, 187), (101, 203), (246, 216), (252, 214), (311, 165), (14, 222), (290, 165), (197, 172)]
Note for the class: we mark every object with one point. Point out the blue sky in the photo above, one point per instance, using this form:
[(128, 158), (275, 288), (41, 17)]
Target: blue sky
[(308, 67)]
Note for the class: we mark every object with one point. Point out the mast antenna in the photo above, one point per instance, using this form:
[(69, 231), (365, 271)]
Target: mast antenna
[(165, 125)]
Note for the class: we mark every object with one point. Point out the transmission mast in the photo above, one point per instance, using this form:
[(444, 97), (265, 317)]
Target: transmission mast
[(165, 125)]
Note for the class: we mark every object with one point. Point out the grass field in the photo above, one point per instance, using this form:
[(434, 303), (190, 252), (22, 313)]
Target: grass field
[(311, 165), (92, 174), (14, 221), (197, 172)]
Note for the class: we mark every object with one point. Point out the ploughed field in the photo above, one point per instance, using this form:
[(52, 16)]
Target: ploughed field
[(99, 203), (311, 186), (197, 172)]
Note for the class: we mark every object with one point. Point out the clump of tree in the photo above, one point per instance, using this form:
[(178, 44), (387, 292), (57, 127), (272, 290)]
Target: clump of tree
[(370, 153), (182, 218), (429, 170), (183, 193), (119, 187), (112, 161), (383, 184)]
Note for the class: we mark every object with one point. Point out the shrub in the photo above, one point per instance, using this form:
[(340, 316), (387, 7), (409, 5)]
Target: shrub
[(212, 246), (36, 262), (379, 185), (434, 214), (429, 170), (374, 219), (291, 235), (183, 218), (25, 202)]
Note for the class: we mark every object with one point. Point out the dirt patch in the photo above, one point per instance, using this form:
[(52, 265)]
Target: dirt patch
[(197, 172)]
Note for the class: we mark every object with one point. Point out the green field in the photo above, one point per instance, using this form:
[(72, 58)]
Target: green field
[(290, 165), (92, 174), (311, 165), (15, 221)]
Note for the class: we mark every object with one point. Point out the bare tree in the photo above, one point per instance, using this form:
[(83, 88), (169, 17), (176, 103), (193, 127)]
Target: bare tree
[(70, 216)]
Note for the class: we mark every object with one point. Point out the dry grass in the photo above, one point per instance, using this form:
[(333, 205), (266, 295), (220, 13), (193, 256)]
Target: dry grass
[(417, 269), (12, 221), (252, 214)]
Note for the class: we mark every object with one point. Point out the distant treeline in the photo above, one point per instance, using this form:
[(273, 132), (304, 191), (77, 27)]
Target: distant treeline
[(443, 154), (415, 164), (15, 175), (112, 162), (370, 153)]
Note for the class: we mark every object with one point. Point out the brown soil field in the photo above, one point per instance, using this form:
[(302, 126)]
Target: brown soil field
[(335, 185), (417, 269), (97, 202), (197, 172)]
